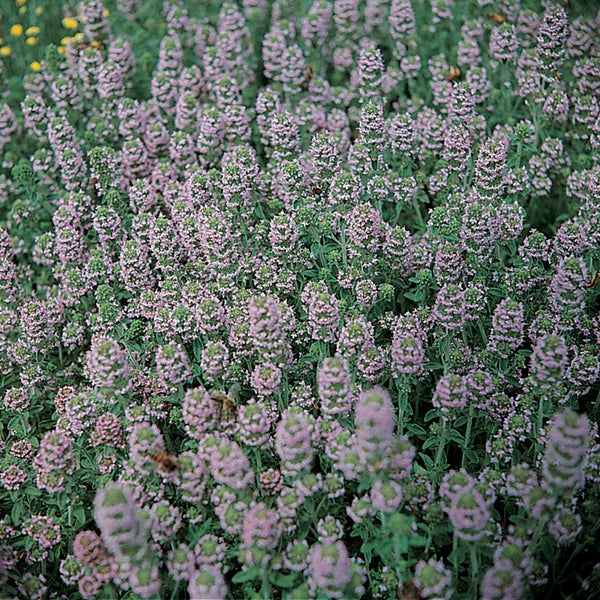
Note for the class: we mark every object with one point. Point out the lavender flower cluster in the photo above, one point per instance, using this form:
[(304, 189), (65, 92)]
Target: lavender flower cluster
[(301, 300)]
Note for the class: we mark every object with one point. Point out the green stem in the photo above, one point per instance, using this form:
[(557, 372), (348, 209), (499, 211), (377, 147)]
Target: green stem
[(175, 590), (474, 571), (266, 584), (468, 435), (343, 244), (441, 446), (402, 402), (415, 202), (455, 555), (258, 458), (540, 418)]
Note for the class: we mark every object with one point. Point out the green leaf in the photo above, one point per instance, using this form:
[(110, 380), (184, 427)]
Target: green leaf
[(433, 366), (414, 296), (367, 550), (456, 436), (15, 513), (432, 441), (417, 540), (431, 414), (243, 576), (460, 421), (496, 292), (281, 580), (79, 515), (427, 460), (415, 429)]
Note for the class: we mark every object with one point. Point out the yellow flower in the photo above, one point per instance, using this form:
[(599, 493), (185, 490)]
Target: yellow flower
[(32, 30), (61, 49), (65, 40), (70, 23), (22, 10), (79, 37), (21, 2), (38, 11), (106, 13), (16, 30), (35, 66), (5, 51), (31, 41)]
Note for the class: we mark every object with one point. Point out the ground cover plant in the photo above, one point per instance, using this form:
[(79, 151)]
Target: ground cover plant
[(299, 300)]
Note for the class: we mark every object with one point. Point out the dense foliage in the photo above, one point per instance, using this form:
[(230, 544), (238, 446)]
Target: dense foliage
[(299, 299)]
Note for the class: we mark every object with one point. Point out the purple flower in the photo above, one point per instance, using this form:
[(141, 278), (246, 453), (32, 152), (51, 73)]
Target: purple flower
[(467, 504), (567, 288), (165, 521), (230, 466), (490, 169), (54, 461), (566, 454), (333, 381), (548, 361), (207, 583), (265, 378), (172, 365), (329, 569), (502, 581), (107, 366), (433, 580), (507, 327), (375, 423), (323, 311), (123, 530), (180, 561), (565, 526), (293, 440), (386, 496), (261, 527), (370, 71), (551, 39), (199, 412), (255, 424), (504, 43)]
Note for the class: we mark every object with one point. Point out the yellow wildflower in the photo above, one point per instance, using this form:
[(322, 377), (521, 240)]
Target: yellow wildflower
[(5, 51), (21, 2), (106, 13), (38, 10), (31, 41), (61, 49), (32, 30), (22, 10), (70, 23), (35, 66), (16, 30)]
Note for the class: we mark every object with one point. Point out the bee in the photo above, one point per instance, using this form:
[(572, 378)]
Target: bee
[(409, 592), (594, 281), (95, 45), (165, 461), (226, 403), (454, 73), (94, 187), (309, 74), (316, 190), (495, 18)]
